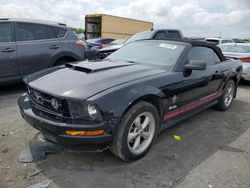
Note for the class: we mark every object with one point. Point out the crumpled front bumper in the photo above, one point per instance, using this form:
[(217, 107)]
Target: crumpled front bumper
[(55, 131)]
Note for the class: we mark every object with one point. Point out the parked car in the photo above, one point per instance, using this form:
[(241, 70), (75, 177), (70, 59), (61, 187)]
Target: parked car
[(239, 51), (28, 46), (123, 103), (218, 41), (99, 42), (198, 39), (158, 34), (90, 52), (117, 42), (81, 36)]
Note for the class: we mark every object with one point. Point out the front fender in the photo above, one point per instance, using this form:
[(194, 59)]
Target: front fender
[(115, 103)]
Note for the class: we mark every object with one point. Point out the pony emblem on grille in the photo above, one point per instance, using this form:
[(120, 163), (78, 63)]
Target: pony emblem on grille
[(38, 97), (55, 104)]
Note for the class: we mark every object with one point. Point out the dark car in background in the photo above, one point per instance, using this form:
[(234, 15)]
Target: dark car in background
[(27, 46), (124, 101), (157, 34), (117, 42), (218, 40), (99, 42)]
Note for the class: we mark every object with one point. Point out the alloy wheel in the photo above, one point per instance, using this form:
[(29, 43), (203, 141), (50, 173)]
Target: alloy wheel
[(141, 133), (229, 95)]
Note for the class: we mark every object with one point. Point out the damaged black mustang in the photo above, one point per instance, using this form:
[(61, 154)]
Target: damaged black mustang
[(123, 102)]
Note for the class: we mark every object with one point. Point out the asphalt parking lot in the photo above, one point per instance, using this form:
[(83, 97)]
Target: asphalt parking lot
[(214, 152)]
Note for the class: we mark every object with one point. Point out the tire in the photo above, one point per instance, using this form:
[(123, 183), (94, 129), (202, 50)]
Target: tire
[(227, 98), (247, 82), (138, 116)]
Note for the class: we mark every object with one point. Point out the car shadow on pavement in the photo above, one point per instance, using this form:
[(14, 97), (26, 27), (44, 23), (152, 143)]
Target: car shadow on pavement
[(9, 95), (12, 89), (167, 162)]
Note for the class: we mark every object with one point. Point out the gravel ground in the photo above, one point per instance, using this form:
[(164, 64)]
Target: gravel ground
[(213, 152)]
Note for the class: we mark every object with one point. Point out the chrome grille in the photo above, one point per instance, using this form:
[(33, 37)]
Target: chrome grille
[(48, 103)]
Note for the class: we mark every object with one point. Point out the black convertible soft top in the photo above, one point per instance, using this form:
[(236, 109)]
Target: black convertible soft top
[(215, 48)]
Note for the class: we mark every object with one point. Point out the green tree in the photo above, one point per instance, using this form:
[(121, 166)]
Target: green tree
[(79, 30)]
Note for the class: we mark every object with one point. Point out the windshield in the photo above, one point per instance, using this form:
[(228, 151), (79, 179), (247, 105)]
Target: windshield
[(139, 36), (117, 42), (235, 48), (149, 52)]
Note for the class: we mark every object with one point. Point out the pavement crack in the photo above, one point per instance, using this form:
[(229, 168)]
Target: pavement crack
[(232, 149)]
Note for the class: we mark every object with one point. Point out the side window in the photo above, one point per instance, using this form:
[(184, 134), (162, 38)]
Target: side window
[(5, 32), (27, 32), (226, 41), (174, 34), (59, 32), (217, 59), (51, 32), (204, 54), (214, 41), (160, 36)]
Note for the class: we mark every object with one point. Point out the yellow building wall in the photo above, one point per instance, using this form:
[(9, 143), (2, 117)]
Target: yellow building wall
[(118, 27)]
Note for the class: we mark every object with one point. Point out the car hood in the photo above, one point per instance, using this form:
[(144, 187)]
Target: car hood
[(85, 79)]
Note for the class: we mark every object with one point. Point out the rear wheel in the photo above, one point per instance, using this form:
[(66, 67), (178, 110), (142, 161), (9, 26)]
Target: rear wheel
[(227, 97), (137, 132)]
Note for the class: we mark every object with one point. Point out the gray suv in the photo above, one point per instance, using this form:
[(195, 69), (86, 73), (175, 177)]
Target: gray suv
[(28, 46)]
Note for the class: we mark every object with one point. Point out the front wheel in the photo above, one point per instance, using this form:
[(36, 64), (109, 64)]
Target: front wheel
[(137, 132), (227, 97)]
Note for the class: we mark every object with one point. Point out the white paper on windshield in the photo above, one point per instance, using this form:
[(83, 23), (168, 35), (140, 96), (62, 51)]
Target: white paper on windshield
[(169, 46)]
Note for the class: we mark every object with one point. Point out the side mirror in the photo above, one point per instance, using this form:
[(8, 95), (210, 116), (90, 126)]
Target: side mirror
[(195, 65)]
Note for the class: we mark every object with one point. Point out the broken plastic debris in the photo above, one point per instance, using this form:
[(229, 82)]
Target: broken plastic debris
[(38, 152), (43, 184), (210, 186), (170, 184), (177, 137)]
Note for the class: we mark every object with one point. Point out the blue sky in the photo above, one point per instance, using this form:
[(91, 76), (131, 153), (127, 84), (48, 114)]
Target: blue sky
[(198, 18)]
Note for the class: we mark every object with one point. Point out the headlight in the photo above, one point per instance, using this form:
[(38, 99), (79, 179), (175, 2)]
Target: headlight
[(83, 110), (92, 111)]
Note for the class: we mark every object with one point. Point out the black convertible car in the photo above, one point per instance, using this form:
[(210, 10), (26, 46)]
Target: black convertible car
[(126, 100)]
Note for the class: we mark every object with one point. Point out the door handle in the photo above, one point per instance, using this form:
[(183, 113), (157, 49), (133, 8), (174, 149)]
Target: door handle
[(54, 47), (7, 50)]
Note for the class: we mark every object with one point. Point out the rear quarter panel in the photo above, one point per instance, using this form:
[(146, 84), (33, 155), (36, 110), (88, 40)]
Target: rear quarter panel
[(231, 69)]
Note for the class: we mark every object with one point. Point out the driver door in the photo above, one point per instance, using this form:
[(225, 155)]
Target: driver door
[(8, 55), (201, 85)]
